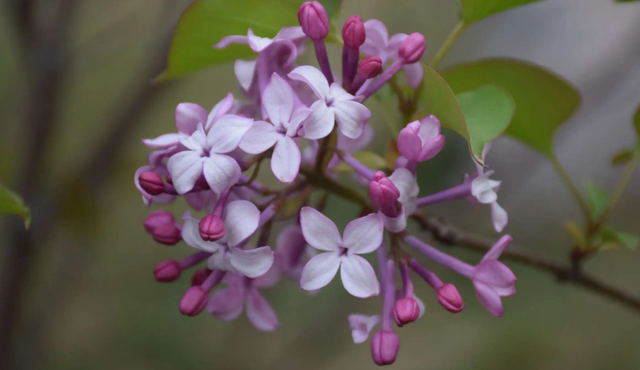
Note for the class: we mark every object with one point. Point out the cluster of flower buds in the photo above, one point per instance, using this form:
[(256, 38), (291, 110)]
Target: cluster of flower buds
[(285, 105)]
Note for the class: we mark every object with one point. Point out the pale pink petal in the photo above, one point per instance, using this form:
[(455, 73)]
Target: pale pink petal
[(241, 220), (495, 274), (429, 128), (358, 277), (196, 200), (163, 141), (235, 39), (318, 230), (338, 94), (269, 278), (196, 142), (489, 298), (277, 101), (363, 235), (409, 143), (258, 43), (260, 137), (226, 133), (361, 326), (377, 38), (191, 235), (319, 271), (220, 261), (499, 217), (312, 77), (259, 312), (320, 122), (290, 245), (354, 145), (431, 148), (497, 249), (188, 115), (351, 117), (290, 33), (157, 157), (391, 53), (221, 172), (482, 190), (300, 114), (226, 304), (223, 107), (252, 262), (405, 182), (245, 71), (185, 169), (394, 224), (285, 161), (414, 74)]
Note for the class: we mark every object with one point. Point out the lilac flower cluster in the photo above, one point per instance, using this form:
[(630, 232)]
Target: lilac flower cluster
[(286, 105)]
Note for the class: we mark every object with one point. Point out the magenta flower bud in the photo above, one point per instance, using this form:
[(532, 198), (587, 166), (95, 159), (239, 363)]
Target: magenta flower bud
[(412, 48), (313, 19), (211, 228), (200, 276), (151, 182), (167, 271), (370, 67), (193, 301), (384, 347), (450, 299), (382, 191), (353, 33), (406, 311), (168, 234), (158, 218)]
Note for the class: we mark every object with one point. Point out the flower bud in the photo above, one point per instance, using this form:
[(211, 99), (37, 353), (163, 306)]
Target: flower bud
[(200, 276), (158, 218), (211, 228), (421, 140), (313, 19), (370, 67), (406, 311), (168, 234), (382, 191), (450, 299), (353, 33), (167, 271), (412, 48), (151, 182), (193, 301), (384, 347)]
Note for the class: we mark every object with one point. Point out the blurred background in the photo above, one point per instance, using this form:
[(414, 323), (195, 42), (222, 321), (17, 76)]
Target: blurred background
[(76, 98)]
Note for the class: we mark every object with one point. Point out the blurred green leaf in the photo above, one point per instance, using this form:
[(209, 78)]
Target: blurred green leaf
[(597, 199), (544, 100), (369, 159), (623, 156), (612, 239), (475, 10), (206, 22), (333, 9), (576, 233), (11, 202), (625, 1), (488, 110)]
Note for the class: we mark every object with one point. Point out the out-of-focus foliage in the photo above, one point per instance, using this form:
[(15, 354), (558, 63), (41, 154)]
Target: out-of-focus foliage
[(10, 202), (475, 10)]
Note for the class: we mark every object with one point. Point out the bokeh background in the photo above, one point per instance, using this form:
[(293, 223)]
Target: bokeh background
[(90, 301)]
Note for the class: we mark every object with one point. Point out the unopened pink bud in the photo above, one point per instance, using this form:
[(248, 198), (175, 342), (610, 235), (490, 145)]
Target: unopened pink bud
[(412, 48), (450, 298), (406, 311), (193, 301), (384, 347), (382, 191), (353, 33), (313, 19), (200, 276), (168, 234), (151, 182), (167, 271), (158, 218), (370, 67), (211, 228)]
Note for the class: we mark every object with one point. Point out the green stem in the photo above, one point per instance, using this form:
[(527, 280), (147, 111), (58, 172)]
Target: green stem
[(444, 49), (573, 189)]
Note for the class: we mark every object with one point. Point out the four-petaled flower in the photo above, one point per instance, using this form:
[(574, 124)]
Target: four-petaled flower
[(493, 280), (484, 190)]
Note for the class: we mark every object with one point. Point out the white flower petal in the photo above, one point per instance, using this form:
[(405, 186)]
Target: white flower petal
[(320, 122), (245, 71), (259, 312), (312, 77), (395, 224), (319, 271), (358, 277), (252, 262), (277, 101), (260, 137), (185, 169), (351, 117), (164, 141), (221, 172), (223, 107), (361, 326), (285, 161), (363, 235), (188, 116), (318, 230), (241, 220), (225, 135), (414, 74), (191, 235), (499, 217)]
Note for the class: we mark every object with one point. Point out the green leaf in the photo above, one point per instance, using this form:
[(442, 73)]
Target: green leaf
[(625, 1), (576, 233), (612, 239), (369, 159), (11, 202), (206, 22), (488, 110), (544, 100), (475, 10), (597, 199), (623, 156)]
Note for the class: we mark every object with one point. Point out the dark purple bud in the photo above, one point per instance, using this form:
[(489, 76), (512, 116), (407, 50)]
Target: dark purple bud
[(151, 182), (382, 191), (193, 301), (168, 234), (211, 228), (406, 311), (450, 298), (158, 218), (412, 48), (353, 33), (370, 67), (200, 276), (167, 271), (384, 347), (313, 19)]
